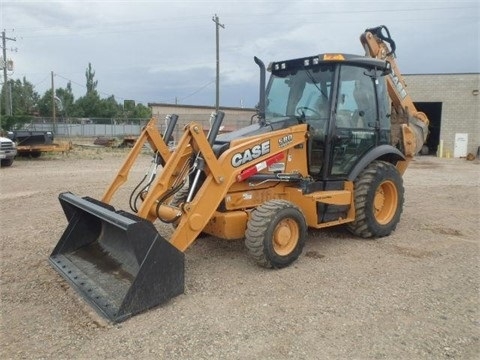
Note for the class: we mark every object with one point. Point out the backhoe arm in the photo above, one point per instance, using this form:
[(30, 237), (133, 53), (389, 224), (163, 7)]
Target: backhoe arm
[(413, 124)]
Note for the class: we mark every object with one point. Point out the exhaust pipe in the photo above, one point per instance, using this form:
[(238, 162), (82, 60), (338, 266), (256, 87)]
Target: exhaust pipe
[(171, 123), (261, 100)]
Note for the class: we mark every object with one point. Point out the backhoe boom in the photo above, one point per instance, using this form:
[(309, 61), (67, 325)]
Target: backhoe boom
[(413, 123)]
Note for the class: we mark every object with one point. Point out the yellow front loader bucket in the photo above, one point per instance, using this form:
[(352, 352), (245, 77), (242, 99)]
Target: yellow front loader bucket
[(116, 260)]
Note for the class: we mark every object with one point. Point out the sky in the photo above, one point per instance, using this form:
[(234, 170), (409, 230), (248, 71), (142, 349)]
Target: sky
[(165, 51)]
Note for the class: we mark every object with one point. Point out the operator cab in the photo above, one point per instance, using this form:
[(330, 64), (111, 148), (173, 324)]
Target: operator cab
[(344, 100)]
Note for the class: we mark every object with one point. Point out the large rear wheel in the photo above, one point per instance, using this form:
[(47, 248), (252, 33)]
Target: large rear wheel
[(276, 233), (379, 196)]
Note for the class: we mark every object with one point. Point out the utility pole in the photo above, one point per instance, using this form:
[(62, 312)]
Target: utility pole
[(217, 82), (8, 109), (53, 105)]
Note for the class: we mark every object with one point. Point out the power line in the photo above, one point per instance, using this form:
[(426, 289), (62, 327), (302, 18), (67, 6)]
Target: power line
[(145, 25), (197, 91), (84, 86), (122, 98), (70, 80), (41, 81)]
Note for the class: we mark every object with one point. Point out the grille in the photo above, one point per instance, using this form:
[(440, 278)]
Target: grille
[(6, 145)]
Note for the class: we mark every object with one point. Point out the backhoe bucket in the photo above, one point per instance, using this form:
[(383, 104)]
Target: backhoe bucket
[(117, 261)]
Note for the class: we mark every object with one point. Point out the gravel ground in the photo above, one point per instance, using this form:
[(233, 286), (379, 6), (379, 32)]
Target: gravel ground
[(413, 295)]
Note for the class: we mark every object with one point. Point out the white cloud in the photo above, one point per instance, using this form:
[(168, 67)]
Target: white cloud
[(151, 50)]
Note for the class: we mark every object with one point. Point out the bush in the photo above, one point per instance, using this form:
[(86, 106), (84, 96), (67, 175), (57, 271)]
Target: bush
[(9, 123)]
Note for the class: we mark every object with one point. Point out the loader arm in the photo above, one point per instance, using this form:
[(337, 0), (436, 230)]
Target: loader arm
[(220, 174), (148, 135), (413, 123)]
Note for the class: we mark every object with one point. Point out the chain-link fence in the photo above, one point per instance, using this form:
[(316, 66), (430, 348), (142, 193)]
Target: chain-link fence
[(230, 123), (91, 127), (101, 127)]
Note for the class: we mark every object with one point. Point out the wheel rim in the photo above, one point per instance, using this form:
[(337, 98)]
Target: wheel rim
[(285, 237), (385, 202)]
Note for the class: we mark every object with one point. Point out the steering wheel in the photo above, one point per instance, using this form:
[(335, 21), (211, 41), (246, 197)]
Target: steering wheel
[(300, 111)]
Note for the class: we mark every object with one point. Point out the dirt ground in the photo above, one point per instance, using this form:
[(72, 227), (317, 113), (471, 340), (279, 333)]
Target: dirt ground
[(412, 295)]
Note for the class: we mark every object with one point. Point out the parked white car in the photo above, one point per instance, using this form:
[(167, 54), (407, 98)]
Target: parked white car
[(8, 151)]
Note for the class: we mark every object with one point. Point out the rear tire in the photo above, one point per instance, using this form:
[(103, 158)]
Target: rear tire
[(379, 197), (276, 233)]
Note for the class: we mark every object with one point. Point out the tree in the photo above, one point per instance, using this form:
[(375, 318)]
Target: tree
[(23, 100), (89, 105), (44, 104), (23, 97), (141, 111), (67, 98), (26, 101), (91, 84), (109, 108)]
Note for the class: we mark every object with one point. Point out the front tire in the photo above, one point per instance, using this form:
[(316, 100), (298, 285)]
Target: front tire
[(379, 197), (276, 233), (6, 162)]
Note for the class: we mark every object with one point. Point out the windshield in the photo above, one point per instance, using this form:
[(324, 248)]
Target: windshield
[(301, 93)]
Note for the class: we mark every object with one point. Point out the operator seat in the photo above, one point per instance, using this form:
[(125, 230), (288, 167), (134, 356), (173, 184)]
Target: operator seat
[(320, 117), (363, 96)]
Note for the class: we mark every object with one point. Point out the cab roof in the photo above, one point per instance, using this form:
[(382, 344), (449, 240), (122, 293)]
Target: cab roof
[(327, 58)]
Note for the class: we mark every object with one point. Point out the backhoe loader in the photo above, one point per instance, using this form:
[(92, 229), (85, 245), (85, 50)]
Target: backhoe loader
[(333, 135)]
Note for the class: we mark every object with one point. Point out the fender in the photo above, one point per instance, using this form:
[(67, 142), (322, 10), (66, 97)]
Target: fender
[(392, 153)]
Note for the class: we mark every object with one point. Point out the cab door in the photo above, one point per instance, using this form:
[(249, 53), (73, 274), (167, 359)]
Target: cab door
[(358, 122)]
